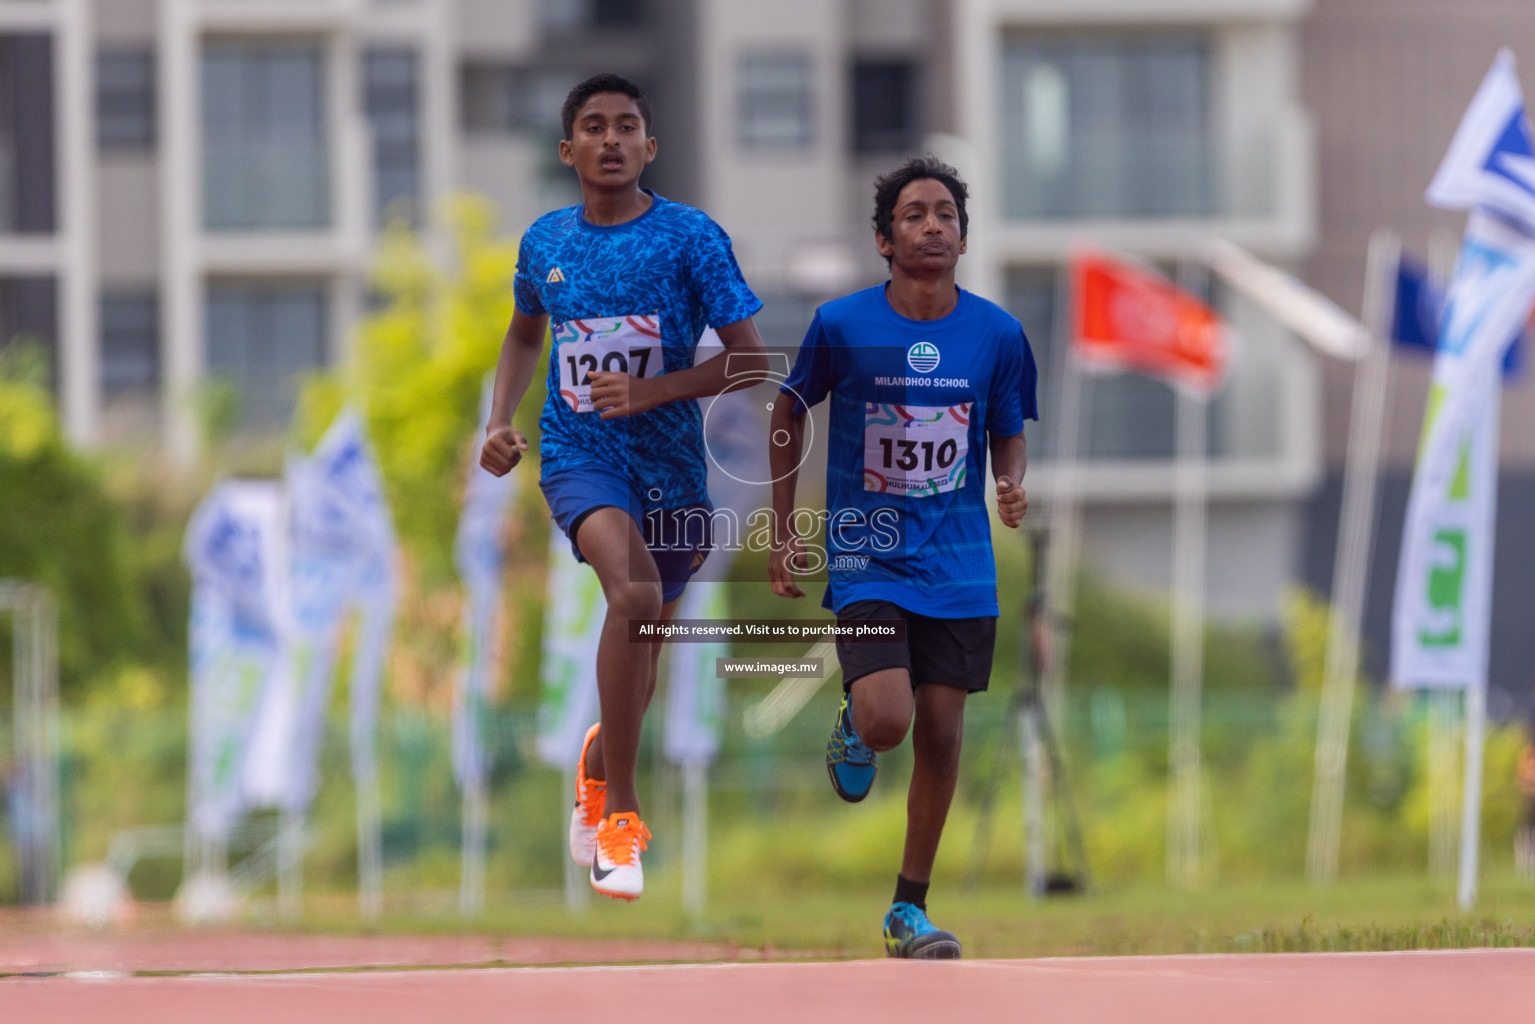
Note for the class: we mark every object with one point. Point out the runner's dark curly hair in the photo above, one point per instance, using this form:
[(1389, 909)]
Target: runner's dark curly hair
[(887, 189)]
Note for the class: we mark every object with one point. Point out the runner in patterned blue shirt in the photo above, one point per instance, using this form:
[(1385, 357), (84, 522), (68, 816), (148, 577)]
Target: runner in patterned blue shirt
[(923, 378), (625, 284)]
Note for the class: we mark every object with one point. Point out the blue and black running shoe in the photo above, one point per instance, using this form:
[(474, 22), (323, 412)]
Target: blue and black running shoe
[(849, 762), (911, 936)]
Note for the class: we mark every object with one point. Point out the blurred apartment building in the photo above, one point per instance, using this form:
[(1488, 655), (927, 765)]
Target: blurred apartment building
[(1146, 127), (192, 187)]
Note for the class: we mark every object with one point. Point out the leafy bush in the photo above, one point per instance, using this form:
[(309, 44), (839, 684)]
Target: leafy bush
[(61, 527)]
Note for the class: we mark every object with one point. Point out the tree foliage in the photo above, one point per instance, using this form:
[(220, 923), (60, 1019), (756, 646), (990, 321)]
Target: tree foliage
[(61, 528), (415, 369)]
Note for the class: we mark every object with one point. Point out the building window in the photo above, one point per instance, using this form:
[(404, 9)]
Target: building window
[(616, 13), (775, 101), (884, 106), (562, 17), (503, 99), (26, 134), (265, 165), (781, 320), (391, 98), (125, 99), (493, 99), (29, 316), (262, 338), (130, 343), (1109, 125)]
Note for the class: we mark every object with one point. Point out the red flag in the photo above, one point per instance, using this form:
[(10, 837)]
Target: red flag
[(1129, 318)]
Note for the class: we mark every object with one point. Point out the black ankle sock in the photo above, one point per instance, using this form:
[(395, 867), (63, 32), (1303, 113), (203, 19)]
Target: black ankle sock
[(907, 891)]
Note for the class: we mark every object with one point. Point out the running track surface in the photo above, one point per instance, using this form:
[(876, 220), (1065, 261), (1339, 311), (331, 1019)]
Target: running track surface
[(1399, 988)]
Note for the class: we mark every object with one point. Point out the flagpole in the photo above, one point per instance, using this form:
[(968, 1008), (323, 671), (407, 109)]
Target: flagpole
[(1184, 852), (1351, 562), (1471, 803), (1060, 574), (471, 888), (1066, 517), (1484, 453), (1191, 491), (1442, 727), (290, 863), (364, 688), (577, 889), (695, 837), (370, 862)]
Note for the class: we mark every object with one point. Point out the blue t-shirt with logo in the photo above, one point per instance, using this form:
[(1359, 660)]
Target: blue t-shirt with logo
[(633, 297), (912, 403)]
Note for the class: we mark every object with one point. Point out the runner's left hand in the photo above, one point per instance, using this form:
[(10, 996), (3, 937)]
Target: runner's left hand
[(617, 394), (1012, 503)]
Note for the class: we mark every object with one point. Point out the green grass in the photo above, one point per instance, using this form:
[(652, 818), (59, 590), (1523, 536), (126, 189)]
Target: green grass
[(1380, 913)]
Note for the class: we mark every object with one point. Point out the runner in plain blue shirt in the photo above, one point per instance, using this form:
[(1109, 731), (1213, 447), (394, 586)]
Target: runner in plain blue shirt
[(912, 403), (925, 380)]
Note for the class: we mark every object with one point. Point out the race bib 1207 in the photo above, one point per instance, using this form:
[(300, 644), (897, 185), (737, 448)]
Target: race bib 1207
[(915, 449), (627, 344)]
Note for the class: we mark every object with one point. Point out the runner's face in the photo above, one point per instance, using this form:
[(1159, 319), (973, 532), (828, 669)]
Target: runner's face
[(926, 229), (608, 146)]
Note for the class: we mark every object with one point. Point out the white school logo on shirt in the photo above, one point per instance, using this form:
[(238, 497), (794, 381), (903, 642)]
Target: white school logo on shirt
[(923, 357)]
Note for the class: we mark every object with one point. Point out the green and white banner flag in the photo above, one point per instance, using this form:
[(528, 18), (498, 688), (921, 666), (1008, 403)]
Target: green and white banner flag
[(573, 621), (1442, 612), (1444, 580)]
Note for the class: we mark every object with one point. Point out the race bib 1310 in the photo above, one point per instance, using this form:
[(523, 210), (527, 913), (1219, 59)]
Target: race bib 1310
[(915, 449)]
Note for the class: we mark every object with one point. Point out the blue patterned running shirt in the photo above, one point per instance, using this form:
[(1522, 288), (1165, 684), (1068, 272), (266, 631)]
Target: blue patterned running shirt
[(633, 297)]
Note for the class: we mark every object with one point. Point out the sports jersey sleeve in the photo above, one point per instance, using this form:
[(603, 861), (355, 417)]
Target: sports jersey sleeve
[(718, 285), (1013, 387), (525, 284), (810, 380)]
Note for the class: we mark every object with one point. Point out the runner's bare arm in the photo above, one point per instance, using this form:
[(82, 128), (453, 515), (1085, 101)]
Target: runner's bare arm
[(1009, 460), (520, 349), (742, 364), (786, 440)]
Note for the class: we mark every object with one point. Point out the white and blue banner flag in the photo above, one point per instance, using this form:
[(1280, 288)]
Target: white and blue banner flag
[(1419, 310), (234, 549), (1442, 611), (479, 553), (341, 558), (350, 468), (1491, 161)]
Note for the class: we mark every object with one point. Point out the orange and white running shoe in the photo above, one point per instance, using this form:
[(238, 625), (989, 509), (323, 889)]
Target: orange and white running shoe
[(591, 798), (616, 869)]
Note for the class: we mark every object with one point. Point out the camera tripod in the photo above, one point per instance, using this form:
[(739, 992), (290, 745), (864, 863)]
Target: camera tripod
[(1041, 757)]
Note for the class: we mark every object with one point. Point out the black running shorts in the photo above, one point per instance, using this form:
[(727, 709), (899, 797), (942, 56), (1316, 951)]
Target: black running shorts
[(949, 652)]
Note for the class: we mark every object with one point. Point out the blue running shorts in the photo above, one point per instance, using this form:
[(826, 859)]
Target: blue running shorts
[(679, 539)]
